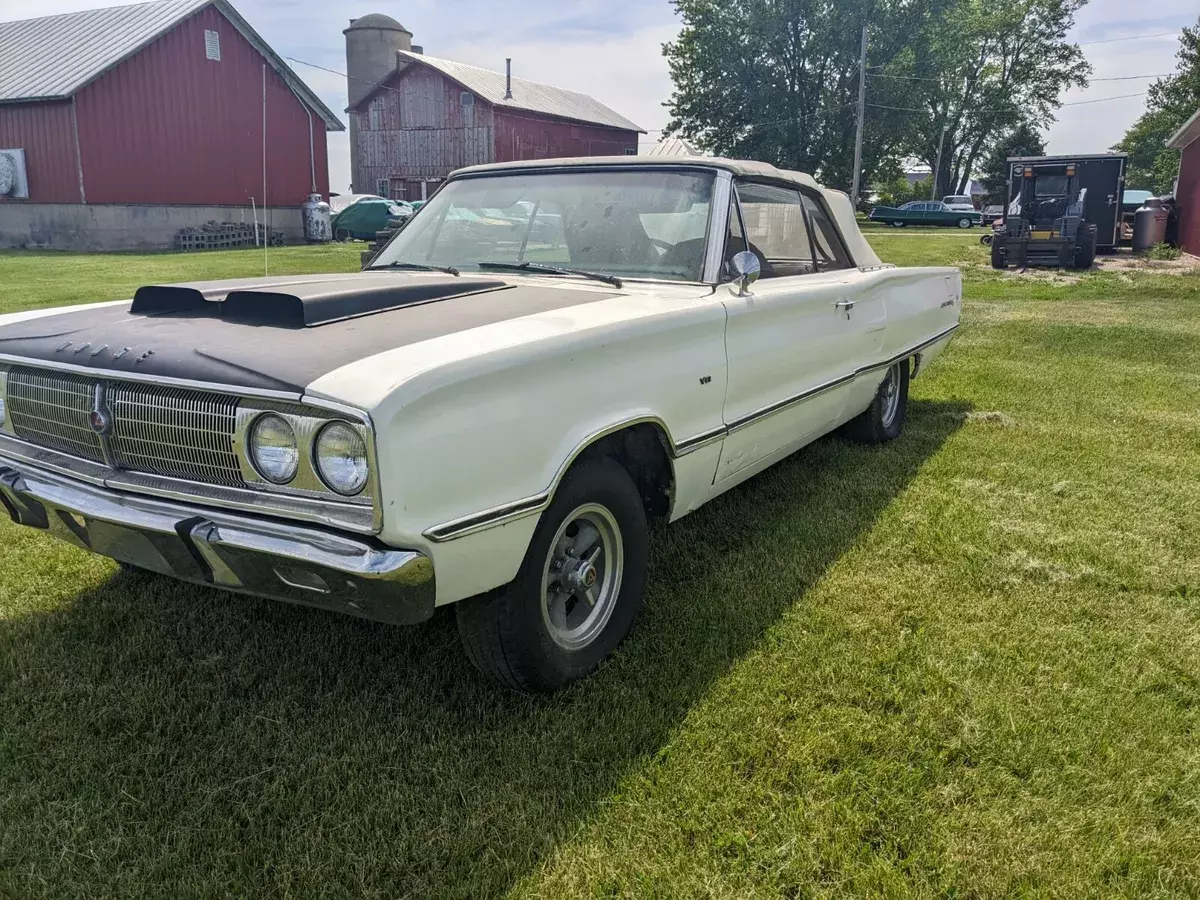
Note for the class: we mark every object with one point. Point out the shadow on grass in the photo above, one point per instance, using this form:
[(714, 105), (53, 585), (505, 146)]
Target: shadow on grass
[(163, 739)]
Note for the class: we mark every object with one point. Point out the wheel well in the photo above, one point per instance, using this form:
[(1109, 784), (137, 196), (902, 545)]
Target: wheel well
[(642, 451)]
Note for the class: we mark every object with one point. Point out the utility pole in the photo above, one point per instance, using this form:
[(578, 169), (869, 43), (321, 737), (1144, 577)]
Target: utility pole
[(862, 114), (937, 169)]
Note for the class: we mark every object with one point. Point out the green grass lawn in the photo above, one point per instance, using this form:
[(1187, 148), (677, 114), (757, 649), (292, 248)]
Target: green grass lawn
[(966, 664)]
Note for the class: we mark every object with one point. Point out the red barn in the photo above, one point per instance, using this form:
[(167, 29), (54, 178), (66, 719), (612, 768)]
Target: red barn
[(123, 125), (1187, 190), (415, 118)]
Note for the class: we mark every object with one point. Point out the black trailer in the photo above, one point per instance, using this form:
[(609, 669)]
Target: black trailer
[(1061, 210)]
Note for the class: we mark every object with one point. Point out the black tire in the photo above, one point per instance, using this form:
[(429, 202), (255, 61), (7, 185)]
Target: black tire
[(999, 257), (965, 223), (1085, 249), (897, 224), (876, 426), (505, 633)]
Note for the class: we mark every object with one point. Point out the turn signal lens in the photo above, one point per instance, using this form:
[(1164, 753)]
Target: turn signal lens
[(273, 449), (3, 412), (342, 458)]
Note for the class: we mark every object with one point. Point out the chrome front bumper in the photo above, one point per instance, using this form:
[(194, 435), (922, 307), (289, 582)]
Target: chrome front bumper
[(264, 557)]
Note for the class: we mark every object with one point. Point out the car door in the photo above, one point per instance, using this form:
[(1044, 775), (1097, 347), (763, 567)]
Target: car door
[(791, 341)]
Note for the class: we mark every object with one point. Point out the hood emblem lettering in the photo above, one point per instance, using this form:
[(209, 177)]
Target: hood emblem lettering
[(98, 350), (120, 353), (82, 347), (144, 356), (63, 347)]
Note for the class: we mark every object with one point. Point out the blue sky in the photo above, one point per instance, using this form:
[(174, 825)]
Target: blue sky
[(612, 50)]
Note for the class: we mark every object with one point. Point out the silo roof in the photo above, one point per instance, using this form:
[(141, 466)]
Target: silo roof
[(52, 57)]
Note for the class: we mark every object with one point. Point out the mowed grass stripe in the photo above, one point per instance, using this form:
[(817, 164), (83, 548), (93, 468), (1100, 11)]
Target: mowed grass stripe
[(962, 664)]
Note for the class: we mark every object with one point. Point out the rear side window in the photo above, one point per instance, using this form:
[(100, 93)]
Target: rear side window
[(831, 254)]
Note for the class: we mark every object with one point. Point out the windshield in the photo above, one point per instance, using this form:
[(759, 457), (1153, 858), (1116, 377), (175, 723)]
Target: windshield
[(635, 224), (1050, 186), (958, 201)]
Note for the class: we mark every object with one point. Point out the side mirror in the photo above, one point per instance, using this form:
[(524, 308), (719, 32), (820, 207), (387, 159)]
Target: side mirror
[(746, 269)]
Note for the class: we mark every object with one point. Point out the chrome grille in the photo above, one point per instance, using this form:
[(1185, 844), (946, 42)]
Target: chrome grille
[(174, 432), (52, 409)]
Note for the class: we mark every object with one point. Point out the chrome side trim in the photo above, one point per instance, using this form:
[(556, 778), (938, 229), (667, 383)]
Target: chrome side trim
[(891, 361), (519, 509), (528, 506), (683, 448), (759, 414), (489, 518)]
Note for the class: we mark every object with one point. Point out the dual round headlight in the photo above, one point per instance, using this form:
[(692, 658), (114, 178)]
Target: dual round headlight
[(339, 454)]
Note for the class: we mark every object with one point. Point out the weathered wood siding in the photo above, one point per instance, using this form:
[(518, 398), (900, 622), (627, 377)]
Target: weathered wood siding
[(420, 130), (521, 135)]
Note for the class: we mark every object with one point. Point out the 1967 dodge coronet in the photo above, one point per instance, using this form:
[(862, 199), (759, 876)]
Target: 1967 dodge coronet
[(549, 357)]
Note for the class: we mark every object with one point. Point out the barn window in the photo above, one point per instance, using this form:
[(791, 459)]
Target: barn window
[(468, 99), (383, 187), (212, 45), (377, 114)]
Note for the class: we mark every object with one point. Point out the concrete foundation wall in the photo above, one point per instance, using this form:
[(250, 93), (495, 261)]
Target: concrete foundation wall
[(73, 226)]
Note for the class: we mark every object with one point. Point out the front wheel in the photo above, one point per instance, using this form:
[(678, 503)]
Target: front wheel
[(577, 592), (897, 224), (884, 418)]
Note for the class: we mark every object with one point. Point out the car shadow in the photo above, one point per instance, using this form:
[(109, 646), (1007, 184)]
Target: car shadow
[(163, 739)]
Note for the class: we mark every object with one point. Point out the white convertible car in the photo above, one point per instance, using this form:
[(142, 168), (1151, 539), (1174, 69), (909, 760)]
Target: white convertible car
[(550, 356)]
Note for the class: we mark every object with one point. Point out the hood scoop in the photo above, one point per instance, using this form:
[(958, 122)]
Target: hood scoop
[(306, 305)]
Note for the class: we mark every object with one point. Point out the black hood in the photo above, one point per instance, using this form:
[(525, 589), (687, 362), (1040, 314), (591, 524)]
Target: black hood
[(277, 334)]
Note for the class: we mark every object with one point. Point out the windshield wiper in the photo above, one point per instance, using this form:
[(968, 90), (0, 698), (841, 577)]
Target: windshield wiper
[(553, 270), (449, 270)]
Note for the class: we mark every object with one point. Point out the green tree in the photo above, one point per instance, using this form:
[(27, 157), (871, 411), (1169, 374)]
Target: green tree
[(979, 69), (1024, 140), (1170, 102), (777, 80)]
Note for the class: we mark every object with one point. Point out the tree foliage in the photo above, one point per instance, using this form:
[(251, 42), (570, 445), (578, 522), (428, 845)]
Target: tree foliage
[(777, 80), (1024, 140), (1170, 102)]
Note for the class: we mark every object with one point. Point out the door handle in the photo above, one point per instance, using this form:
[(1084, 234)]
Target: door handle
[(845, 304)]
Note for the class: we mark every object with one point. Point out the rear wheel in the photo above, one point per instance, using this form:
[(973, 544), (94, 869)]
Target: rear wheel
[(577, 592), (897, 224), (964, 222), (884, 418), (1085, 248)]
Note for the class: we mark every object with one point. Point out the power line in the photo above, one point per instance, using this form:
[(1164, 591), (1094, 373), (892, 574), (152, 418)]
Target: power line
[(1072, 103), (921, 78), (1136, 37)]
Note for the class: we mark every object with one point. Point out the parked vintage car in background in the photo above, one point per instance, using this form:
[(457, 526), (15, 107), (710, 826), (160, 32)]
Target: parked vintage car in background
[(927, 212), (360, 217), (959, 203), (489, 416)]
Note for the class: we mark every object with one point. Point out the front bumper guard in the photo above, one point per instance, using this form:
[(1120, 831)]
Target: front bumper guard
[(247, 554)]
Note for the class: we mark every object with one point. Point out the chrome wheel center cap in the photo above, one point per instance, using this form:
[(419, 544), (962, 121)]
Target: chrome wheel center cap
[(582, 577)]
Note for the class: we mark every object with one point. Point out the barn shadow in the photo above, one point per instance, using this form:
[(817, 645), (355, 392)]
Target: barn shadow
[(168, 740)]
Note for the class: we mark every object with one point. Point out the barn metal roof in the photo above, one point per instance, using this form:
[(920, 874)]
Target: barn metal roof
[(529, 96), (675, 146), (53, 57)]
